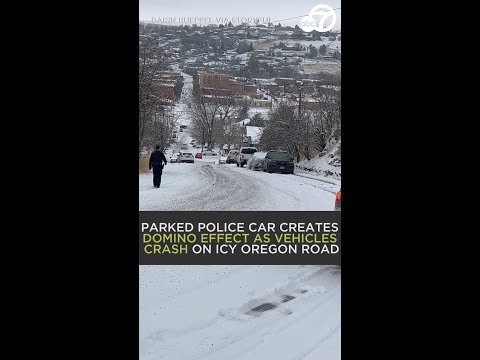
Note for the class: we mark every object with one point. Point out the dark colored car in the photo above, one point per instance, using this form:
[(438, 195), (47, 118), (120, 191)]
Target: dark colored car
[(338, 201), (278, 161)]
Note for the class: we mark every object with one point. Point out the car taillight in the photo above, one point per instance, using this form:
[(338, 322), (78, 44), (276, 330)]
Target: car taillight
[(339, 195)]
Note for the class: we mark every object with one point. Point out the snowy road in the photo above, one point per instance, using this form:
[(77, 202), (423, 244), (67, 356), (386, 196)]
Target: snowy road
[(255, 312), (205, 186)]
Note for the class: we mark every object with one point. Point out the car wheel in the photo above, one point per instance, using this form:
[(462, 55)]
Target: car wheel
[(237, 165), (241, 164)]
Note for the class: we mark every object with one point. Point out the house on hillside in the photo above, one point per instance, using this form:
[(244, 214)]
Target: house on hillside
[(252, 135)]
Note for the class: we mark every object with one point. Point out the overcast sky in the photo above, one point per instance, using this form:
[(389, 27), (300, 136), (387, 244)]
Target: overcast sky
[(153, 10)]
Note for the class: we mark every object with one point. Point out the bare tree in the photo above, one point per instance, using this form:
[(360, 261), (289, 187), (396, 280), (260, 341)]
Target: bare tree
[(210, 114), (159, 129), (304, 131), (327, 117), (151, 62), (282, 130)]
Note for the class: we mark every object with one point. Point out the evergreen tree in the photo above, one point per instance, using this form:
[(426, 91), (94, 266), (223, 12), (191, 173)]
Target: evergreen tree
[(257, 120), (322, 50)]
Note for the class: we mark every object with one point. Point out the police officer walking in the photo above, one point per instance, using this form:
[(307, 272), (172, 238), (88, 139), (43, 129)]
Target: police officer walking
[(156, 162)]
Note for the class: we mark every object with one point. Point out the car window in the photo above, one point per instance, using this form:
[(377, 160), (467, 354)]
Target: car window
[(280, 156)]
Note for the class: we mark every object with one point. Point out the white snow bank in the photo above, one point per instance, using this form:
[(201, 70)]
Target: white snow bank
[(328, 165)]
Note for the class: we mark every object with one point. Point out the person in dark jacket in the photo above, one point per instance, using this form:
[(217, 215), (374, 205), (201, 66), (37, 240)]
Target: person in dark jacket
[(157, 159)]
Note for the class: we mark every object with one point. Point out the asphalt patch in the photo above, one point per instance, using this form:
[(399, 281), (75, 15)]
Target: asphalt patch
[(286, 298), (261, 308), (257, 310)]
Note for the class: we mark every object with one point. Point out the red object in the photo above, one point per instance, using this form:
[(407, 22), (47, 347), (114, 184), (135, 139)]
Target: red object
[(198, 156), (338, 201)]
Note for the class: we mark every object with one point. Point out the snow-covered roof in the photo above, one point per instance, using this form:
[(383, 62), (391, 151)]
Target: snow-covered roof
[(244, 121), (254, 132)]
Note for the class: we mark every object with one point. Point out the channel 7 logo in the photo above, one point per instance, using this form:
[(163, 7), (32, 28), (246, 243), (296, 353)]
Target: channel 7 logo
[(326, 22)]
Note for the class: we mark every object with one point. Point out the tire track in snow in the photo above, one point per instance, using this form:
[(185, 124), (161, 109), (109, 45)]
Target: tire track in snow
[(221, 191), (278, 320)]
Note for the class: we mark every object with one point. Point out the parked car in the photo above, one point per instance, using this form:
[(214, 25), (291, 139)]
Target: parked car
[(232, 156), (185, 157), (183, 126), (244, 154), (222, 160), (173, 158), (184, 146), (209, 153), (338, 201), (256, 161), (198, 156), (278, 161)]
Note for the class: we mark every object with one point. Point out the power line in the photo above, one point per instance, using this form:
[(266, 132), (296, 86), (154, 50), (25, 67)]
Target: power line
[(269, 22)]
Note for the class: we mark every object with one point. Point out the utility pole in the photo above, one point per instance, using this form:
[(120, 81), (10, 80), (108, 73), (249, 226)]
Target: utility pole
[(300, 102)]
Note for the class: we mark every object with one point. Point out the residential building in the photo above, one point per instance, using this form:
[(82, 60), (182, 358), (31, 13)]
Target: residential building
[(212, 80)]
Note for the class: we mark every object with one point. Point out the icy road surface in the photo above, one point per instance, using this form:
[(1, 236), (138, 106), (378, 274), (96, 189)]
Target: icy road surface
[(205, 186), (246, 312)]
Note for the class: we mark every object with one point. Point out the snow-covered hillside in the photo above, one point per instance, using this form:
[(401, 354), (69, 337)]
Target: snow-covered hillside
[(327, 164)]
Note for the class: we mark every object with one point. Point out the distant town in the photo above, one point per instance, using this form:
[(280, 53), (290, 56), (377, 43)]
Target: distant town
[(241, 77)]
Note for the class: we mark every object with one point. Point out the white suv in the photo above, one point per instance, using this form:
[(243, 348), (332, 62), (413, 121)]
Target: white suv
[(244, 154)]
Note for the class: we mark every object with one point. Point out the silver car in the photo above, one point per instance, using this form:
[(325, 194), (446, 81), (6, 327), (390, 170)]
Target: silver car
[(256, 161), (185, 157), (232, 156)]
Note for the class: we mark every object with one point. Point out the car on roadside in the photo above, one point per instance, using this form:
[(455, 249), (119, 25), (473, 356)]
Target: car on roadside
[(184, 147), (185, 157), (278, 161), (338, 201), (222, 160), (209, 153), (173, 158), (232, 156), (198, 156), (244, 154), (256, 161)]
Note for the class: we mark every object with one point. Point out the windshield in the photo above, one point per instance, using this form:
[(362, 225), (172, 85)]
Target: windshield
[(280, 156), (249, 151)]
